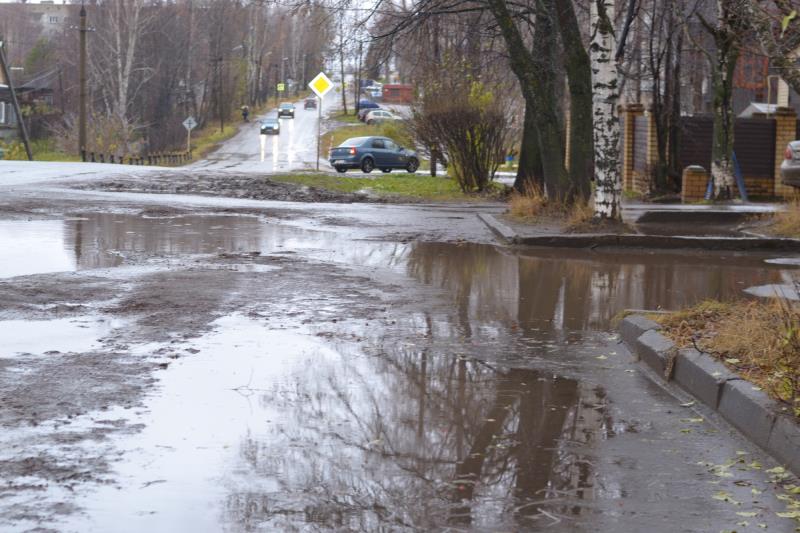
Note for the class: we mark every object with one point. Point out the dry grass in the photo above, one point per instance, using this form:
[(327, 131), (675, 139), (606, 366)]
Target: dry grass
[(786, 223), (532, 205), (760, 340)]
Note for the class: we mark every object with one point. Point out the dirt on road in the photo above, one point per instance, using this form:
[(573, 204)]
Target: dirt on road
[(216, 183)]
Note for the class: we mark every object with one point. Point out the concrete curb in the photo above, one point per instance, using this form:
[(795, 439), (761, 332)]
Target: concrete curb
[(747, 408), (634, 240), (668, 242), (498, 228)]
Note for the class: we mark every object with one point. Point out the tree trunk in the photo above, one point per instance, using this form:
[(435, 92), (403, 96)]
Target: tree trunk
[(579, 76), (536, 82), (529, 172), (722, 69), (604, 106)]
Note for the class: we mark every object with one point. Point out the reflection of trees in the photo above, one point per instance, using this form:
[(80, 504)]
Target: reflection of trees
[(552, 294), (413, 436), (410, 429), (92, 236)]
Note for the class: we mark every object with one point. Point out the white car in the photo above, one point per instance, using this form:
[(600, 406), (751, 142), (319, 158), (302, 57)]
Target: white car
[(379, 115)]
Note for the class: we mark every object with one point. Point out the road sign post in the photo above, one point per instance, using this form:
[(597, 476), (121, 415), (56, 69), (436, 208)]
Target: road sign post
[(190, 123), (321, 84)]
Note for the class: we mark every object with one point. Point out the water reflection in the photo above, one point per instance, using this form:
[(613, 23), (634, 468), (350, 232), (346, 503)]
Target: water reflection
[(481, 404), (549, 294)]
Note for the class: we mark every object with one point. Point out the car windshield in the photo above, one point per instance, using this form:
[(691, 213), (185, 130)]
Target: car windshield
[(286, 106), (270, 122), (355, 141)]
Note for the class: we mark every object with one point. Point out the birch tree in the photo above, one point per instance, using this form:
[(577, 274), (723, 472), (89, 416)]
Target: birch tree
[(605, 85), (116, 60)]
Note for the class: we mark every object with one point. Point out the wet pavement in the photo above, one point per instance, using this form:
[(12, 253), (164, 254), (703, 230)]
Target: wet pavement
[(221, 372)]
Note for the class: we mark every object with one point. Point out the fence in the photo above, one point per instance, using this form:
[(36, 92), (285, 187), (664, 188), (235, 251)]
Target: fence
[(758, 143), (170, 158)]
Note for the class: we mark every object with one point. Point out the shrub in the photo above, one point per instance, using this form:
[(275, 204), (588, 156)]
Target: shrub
[(469, 125)]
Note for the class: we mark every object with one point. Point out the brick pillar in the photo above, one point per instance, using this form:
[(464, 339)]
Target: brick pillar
[(785, 131), (629, 112), (694, 183)]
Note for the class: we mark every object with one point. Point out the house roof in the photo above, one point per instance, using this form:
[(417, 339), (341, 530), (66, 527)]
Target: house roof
[(758, 108)]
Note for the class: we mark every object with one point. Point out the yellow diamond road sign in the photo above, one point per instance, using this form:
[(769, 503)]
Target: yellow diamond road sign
[(321, 84)]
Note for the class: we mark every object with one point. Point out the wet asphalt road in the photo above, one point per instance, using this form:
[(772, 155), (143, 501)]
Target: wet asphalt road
[(175, 363), (294, 148)]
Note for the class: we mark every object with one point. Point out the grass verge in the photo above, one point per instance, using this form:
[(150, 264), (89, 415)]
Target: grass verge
[(42, 149), (786, 223), (398, 185), (532, 206), (760, 340)]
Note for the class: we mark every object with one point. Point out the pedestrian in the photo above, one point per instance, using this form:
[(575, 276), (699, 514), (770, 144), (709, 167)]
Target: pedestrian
[(245, 112)]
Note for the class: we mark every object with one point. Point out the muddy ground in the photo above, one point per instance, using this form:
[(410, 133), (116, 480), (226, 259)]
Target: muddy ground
[(173, 365), (257, 187)]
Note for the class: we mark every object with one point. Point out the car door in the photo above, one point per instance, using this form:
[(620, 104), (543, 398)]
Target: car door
[(378, 150), (394, 158)]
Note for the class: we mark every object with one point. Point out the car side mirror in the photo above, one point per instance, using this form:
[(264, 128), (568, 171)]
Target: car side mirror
[(401, 149)]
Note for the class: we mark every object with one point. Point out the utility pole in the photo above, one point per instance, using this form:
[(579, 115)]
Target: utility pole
[(219, 97), (358, 79), (82, 82), (23, 130)]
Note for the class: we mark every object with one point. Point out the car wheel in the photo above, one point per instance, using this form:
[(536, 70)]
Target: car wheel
[(367, 165), (341, 170), (370, 122), (412, 166), (386, 170)]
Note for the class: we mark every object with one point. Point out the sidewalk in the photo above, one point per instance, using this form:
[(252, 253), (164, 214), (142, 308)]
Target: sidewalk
[(658, 226)]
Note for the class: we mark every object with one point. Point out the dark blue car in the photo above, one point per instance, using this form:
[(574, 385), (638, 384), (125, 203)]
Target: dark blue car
[(369, 153)]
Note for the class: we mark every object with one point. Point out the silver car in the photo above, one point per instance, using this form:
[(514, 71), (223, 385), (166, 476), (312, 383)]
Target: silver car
[(790, 168)]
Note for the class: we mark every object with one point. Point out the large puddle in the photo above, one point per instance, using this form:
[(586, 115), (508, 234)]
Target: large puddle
[(504, 403)]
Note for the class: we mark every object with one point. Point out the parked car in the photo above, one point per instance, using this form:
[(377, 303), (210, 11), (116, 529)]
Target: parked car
[(376, 116), (286, 109), (364, 107), (369, 153), (310, 103), (270, 126), (790, 168)]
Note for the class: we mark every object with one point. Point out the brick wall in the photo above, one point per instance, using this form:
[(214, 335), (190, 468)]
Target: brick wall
[(693, 184)]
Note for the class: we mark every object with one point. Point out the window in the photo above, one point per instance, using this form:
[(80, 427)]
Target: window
[(378, 143), (53, 20), (2, 112), (390, 146)]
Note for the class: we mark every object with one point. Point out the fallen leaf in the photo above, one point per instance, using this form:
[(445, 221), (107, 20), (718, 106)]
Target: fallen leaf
[(776, 470), (790, 514), (687, 404), (755, 492), (601, 357), (747, 514), (733, 361), (739, 452)]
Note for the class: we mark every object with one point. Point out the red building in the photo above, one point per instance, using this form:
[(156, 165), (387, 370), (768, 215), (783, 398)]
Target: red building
[(398, 93)]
